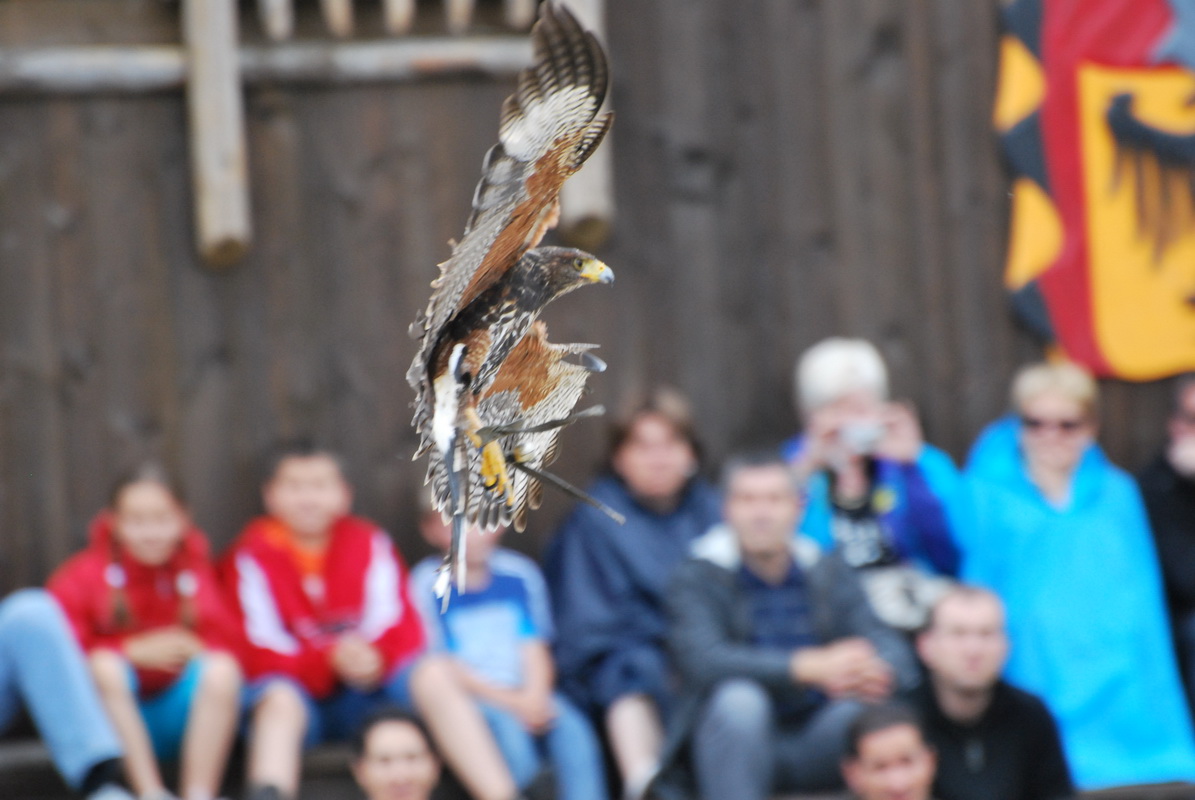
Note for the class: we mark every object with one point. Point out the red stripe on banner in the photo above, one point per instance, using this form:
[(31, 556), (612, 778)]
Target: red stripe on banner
[(1108, 32)]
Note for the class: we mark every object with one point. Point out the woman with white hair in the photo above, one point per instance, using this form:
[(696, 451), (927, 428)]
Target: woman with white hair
[(1061, 535), (888, 501)]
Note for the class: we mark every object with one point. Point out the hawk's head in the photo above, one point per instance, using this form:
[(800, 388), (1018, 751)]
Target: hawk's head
[(562, 269)]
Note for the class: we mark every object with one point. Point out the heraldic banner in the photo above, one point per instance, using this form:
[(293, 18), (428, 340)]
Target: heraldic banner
[(1096, 111)]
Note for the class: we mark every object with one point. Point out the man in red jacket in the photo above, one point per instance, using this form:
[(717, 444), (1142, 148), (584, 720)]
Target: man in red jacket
[(332, 633)]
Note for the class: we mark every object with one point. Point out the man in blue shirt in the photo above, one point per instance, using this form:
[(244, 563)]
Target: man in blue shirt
[(777, 647)]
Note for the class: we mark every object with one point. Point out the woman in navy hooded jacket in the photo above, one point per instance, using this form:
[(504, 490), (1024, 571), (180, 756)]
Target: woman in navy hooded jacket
[(607, 581), (1062, 536)]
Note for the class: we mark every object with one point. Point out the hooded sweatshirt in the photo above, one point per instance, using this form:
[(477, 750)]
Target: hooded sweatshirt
[(183, 591), (295, 605)]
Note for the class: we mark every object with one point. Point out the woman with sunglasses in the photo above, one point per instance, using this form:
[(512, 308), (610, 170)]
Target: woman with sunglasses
[(1060, 533)]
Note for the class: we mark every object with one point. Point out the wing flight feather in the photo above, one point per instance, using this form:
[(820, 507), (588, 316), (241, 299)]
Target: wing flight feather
[(548, 127)]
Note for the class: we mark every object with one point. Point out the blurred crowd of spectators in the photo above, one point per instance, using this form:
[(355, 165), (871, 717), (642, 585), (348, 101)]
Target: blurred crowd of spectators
[(848, 610)]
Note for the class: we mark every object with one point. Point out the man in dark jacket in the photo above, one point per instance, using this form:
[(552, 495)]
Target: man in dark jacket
[(1168, 488), (777, 648), (994, 741)]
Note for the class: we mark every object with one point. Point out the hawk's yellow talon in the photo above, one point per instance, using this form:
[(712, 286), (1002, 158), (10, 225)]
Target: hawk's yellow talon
[(494, 475)]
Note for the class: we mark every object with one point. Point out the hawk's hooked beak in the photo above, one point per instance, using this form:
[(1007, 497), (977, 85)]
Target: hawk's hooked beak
[(597, 272)]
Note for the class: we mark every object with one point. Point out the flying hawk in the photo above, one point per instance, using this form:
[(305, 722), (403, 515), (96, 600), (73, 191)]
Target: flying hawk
[(492, 392)]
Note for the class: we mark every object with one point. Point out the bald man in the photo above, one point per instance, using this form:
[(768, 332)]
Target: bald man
[(994, 741)]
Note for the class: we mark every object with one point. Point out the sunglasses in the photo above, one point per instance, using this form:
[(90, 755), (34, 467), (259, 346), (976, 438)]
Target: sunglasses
[(1036, 425)]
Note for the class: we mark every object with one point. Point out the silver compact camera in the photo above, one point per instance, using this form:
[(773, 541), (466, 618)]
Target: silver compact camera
[(861, 437)]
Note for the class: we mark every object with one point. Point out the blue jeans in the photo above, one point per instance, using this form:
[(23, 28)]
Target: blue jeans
[(42, 668), (741, 753), (570, 745), (338, 717)]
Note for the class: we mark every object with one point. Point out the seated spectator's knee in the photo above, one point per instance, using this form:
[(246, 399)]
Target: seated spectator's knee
[(433, 676), (280, 707), (739, 704), (221, 676), (110, 671), (27, 610)]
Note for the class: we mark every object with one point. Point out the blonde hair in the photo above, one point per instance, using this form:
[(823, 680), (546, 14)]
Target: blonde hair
[(1062, 377), (836, 367)]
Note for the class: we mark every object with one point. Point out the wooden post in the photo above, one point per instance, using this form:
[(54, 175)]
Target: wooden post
[(458, 14), (398, 15), (219, 171), (587, 199), (519, 14), (277, 18), (338, 16)]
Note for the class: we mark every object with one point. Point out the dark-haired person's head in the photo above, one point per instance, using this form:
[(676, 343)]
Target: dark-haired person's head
[(654, 449), (761, 502), (306, 489), (393, 757), (887, 757), (148, 514)]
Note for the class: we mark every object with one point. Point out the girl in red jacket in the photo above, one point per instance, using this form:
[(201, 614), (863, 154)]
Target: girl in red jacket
[(144, 602)]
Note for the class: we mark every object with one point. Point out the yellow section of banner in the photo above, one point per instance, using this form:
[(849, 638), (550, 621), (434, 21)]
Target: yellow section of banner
[(1022, 85), (1140, 223), (1034, 235)]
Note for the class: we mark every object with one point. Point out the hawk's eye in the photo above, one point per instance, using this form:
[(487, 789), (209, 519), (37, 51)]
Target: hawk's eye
[(578, 264)]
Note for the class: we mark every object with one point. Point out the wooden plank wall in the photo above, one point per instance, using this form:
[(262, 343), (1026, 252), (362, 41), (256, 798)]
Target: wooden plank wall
[(818, 167), (785, 170)]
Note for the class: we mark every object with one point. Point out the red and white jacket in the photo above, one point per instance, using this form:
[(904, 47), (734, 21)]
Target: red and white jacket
[(292, 622), (86, 587)]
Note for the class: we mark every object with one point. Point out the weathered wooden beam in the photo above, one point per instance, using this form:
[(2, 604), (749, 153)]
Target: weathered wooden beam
[(216, 123), (55, 70), (408, 59), (98, 68)]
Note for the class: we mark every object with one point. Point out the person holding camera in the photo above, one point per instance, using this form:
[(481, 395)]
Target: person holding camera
[(888, 501)]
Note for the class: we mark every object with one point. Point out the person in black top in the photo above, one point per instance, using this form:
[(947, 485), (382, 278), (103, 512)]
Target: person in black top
[(994, 741), (1168, 488)]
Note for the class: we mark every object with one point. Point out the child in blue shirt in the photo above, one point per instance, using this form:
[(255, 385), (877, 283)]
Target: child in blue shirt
[(498, 631)]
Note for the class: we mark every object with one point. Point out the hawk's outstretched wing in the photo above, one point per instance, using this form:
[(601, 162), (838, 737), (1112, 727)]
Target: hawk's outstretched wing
[(548, 128)]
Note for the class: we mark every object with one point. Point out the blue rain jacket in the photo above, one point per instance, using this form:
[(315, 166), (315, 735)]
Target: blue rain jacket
[(607, 583), (1086, 613)]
